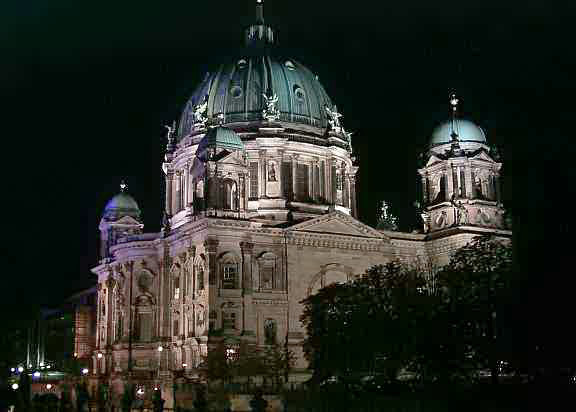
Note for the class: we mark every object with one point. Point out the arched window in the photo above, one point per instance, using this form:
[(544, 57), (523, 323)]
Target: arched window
[(229, 271), (228, 320), (229, 195), (144, 318), (176, 324), (270, 332), (177, 287), (269, 278), (229, 275), (200, 277), (440, 190)]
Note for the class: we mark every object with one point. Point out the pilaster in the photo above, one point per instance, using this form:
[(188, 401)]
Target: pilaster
[(211, 246)]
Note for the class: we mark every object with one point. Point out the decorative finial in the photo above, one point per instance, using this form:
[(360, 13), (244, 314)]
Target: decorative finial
[(259, 12), (454, 102), (123, 186), (259, 34)]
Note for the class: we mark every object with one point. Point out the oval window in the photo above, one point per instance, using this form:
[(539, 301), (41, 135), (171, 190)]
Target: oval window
[(299, 93), (236, 92)]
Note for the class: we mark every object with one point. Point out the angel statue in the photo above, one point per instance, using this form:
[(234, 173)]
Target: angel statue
[(171, 130), (271, 112), (334, 120), (200, 110)]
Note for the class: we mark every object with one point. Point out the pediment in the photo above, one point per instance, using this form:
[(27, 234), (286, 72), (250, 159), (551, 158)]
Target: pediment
[(482, 156), (338, 223), (433, 160), (235, 158)]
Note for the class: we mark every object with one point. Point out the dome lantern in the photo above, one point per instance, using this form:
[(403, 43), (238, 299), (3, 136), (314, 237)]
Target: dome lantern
[(259, 34)]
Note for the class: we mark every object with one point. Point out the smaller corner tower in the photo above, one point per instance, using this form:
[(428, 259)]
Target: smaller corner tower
[(460, 177), (121, 218)]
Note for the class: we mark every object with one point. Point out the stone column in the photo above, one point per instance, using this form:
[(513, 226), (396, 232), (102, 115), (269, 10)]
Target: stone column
[(263, 175), (211, 246), (353, 206), (469, 182), (110, 283), (165, 293), (294, 160), (450, 181), (176, 192), (315, 178), (169, 184), (424, 178), (248, 318), (279, 162)]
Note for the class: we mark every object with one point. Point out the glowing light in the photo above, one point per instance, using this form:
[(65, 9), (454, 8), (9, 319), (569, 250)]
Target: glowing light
[(41, 364), (184, 365), (155, 388), (140, 391), (49, 386), (99, 355), (20, 369), (48, 367), (160, 348), (75, 354), (36, 374), (12, 369), (85, 371), (30, 365), (15, 386)]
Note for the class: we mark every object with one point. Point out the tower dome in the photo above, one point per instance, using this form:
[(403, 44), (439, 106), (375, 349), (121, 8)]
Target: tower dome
[(121, 205), (466, 130), (457, 129)]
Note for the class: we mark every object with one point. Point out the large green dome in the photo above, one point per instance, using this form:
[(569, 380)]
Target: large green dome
[(236, 92)]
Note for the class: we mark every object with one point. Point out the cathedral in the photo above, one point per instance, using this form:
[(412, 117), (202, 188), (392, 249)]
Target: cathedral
[(261, 212)]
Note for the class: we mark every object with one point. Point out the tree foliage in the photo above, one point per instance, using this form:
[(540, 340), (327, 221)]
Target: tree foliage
[(397, 319)]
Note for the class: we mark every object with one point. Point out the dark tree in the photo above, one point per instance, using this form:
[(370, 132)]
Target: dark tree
[(475, 289)]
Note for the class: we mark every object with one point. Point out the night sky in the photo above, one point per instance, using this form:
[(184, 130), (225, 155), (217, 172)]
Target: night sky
[(86, 91)]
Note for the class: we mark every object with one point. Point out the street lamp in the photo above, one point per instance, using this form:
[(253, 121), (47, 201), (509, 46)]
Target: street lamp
[(15, 386), (85, 371), (49, 386), (12, 370), (20, 369)]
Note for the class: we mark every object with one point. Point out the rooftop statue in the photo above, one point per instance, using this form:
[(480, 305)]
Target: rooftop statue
[(271, 112), (334, 120), (200, 110)]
